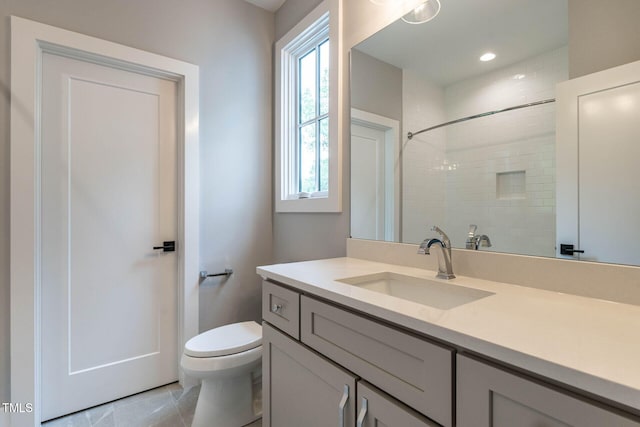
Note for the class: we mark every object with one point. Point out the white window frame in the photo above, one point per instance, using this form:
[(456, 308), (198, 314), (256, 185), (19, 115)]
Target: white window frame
[(288, 49)]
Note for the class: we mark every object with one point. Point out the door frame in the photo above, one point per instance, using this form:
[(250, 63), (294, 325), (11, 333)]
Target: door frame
[(29, 41), (391, 129), (568, 94)]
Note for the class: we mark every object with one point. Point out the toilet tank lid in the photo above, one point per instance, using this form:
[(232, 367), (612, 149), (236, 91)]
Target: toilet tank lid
[(225, 340)]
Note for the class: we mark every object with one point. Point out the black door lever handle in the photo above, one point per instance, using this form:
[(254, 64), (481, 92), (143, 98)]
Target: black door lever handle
[(166, 246), (568, 250)]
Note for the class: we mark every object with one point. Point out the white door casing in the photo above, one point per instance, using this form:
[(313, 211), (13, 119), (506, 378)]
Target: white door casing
[(109, 301), (596, 157), (29, 42), (388, 208)]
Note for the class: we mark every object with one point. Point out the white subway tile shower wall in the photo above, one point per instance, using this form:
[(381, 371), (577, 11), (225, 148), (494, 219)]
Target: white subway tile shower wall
[(478, 150), (423, 182)]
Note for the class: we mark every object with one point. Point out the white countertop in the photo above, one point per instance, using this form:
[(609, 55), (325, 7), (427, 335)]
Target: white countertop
[(586, 343)]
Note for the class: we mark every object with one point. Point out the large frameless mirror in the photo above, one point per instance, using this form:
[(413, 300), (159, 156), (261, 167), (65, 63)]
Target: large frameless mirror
[(454, 124)]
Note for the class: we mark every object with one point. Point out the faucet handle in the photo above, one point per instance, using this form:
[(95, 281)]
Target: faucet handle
[(445, 238), (485, 241), (472, 230)]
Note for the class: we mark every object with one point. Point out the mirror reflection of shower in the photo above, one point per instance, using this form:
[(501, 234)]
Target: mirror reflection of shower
[(494, 170)]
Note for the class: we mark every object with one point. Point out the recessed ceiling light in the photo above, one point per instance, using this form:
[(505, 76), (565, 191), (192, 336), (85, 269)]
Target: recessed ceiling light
[(488, 57), (519, 76)]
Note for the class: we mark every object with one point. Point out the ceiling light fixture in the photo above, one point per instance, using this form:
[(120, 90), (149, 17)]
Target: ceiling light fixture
[(519, 76), (423, 13), (489, 56)]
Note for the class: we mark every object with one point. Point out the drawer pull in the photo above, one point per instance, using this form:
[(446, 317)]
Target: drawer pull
[(343, 406), (363, 412), (276, 308)]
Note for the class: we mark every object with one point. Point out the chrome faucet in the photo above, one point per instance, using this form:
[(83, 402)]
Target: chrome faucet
[(475, 240), (471, 237), (445, 267)]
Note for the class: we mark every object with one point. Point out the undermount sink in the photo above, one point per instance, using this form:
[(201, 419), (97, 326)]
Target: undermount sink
[(422, 291)]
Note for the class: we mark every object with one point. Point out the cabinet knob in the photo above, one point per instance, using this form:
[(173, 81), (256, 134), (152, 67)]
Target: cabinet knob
[(276, 308)]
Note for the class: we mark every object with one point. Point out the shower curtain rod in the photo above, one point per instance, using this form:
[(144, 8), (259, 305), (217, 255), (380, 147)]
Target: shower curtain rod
[(476, 116)]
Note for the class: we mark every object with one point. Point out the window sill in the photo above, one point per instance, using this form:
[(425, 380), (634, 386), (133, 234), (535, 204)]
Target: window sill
[(309, 205), (304, 195)]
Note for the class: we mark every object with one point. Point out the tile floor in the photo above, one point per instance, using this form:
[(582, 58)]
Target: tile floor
[(168, 406)]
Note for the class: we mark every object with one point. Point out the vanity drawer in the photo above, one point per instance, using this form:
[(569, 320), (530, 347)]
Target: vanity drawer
[(281, 308), (411, 369)]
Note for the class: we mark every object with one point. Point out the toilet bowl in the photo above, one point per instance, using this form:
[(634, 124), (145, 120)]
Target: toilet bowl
[(228, 362)]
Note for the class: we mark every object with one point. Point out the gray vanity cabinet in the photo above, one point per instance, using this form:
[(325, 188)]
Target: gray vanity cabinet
[(312, 382), (376, 409), (491, 397), (412, 369), (327, 366), (301, 388)]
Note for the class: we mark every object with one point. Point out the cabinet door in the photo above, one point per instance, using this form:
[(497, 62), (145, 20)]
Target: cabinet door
[(491, 397), (302, 388), (409, 368), (377, 409)]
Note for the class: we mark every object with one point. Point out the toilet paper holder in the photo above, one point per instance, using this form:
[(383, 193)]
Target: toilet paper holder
[(227, 272)]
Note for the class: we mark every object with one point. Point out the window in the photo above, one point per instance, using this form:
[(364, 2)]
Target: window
[(312, 95), (308, 164)]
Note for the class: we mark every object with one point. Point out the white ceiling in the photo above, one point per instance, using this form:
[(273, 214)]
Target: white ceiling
[(446, 49), (270, 5)]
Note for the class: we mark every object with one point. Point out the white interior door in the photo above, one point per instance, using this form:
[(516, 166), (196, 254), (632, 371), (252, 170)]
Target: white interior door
[(109, 305), (609, 202), (597, 168), (367, 182)]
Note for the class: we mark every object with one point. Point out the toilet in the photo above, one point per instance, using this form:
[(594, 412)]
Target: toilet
[(228, 360)]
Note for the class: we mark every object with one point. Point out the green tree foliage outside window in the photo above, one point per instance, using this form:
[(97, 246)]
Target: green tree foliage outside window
[(313, 119)]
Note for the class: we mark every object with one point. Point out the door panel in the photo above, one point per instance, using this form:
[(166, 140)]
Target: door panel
[(597, 174), (608, 149), (367, 183), (109, 306)]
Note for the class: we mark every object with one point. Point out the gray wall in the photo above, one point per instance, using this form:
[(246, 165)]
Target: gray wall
[(290, 13), (231, 41), (376, 87), (593, 45), (303, 236)]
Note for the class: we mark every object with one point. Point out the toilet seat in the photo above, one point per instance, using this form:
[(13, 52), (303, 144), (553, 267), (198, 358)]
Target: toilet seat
[(227, 360), (225, 340), (197, 366)]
